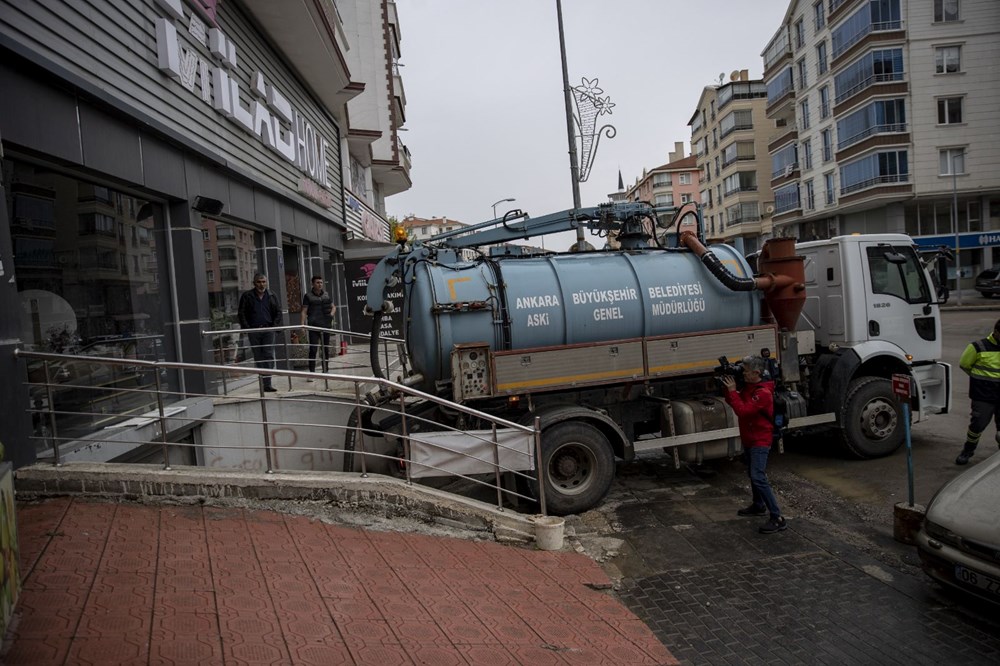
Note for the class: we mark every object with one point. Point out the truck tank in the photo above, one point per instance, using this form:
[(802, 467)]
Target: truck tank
[(522, 303)]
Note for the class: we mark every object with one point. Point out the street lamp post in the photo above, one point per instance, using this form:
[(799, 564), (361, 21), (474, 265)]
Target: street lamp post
[(954, 213), (500, 202)]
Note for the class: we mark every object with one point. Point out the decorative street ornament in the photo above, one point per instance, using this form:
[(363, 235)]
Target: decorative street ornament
[(589, 107)]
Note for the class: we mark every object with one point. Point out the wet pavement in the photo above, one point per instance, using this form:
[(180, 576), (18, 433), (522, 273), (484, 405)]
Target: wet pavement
[(828, 590), (120, 583)]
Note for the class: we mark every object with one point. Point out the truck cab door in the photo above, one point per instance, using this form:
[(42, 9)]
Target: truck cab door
[(900, 301)]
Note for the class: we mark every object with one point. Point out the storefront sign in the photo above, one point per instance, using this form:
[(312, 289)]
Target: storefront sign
[(268, 115), (371, 225), (357, 273), (966, 240)]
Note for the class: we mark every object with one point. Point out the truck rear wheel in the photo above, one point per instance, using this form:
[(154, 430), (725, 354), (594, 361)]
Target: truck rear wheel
[(579, 467), (872, 419)]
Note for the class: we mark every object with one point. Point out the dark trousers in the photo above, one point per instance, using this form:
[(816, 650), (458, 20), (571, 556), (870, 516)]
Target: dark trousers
[(314, 337), (262, 345), (982, 413), (755, 458)]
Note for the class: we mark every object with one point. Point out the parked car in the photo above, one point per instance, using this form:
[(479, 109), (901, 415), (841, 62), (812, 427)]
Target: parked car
[(988, 282), (959, 542)]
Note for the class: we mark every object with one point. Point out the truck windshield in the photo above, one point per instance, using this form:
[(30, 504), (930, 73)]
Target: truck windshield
[(904, 279)]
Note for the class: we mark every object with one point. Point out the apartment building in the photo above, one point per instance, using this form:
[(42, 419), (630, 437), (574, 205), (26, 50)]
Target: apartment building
[(158, 153), (672, 184), (729, 134), (886, 114), (377, 163)]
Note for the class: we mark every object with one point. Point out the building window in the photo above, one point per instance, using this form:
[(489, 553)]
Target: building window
[(785, 161), (210, 275), (684, 178), (828, 185), (208, 255), (803, 78), (205, 235), (873, 67), (736, 120), (824, 102), (805, 151), (945, 10), (949, 110), (876, 169), (880, 117), (685, 198), (947, 59), (821, 63), (810, 196), (874, 16), (663, 200), (359, 184), (661, 180), (819, 16), (827, 144), (800, 34), (952, 161), (804, 114), (786, 199)]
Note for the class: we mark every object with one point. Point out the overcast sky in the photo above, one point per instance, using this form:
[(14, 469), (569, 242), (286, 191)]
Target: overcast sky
[(485, 117)]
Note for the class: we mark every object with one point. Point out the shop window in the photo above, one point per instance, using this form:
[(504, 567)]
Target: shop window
[(85, 291), (230, 263)]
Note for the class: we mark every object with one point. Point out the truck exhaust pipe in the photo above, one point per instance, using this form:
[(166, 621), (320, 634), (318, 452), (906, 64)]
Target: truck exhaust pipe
[(782, 276)]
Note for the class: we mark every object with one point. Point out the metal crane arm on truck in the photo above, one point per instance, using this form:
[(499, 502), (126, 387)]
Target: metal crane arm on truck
[(624, 217)]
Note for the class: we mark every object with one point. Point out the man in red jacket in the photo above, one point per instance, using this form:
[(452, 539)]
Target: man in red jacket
[(754, 407)]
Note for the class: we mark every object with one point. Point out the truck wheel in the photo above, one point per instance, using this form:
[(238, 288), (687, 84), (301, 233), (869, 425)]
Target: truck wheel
[(872, 419), (579, 467)]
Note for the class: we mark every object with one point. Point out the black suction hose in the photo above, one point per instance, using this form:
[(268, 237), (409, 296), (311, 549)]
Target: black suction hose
[(723, 275)]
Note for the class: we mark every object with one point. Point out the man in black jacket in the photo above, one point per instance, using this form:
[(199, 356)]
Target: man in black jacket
[(259, 308)]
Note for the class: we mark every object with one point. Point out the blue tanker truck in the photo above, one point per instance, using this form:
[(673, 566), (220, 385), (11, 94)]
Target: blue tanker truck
[(615, 351)]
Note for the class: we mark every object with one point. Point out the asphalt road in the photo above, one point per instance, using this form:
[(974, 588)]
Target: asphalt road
[(834, 588)]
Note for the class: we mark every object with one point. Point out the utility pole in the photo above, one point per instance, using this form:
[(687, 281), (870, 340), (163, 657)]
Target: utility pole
[(574, 167), (954, 213)]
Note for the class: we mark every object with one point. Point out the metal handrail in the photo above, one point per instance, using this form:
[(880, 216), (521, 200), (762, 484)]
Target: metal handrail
[(239, 332), (161, 418)]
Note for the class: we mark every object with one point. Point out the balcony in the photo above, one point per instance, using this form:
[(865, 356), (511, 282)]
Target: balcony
[(894, 128), (875, 85), (787, 171), (877, 181), (872, 35)]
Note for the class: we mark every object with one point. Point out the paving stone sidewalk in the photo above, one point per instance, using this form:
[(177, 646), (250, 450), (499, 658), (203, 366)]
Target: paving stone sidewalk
[(108, 583)]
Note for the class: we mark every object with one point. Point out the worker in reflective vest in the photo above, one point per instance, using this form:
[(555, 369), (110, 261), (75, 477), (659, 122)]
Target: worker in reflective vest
[(981, 361)]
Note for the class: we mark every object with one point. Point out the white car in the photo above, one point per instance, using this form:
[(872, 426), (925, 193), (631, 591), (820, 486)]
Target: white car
[(959, 542)]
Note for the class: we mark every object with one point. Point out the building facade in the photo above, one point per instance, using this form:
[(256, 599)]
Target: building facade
[(669, 185), (155, 155), (729, 134), (888, 110)]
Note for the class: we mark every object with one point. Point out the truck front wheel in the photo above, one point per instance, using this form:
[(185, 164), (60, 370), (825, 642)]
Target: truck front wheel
[(578, 466), (872, 419)]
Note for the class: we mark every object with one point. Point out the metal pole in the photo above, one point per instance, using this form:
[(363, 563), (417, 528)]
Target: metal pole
[(496, 468), (541, 472), (406, 438), (52, 416), (909, 452), (954, 209), (360, 435), (263, 421), (574, 167), (163, 420)]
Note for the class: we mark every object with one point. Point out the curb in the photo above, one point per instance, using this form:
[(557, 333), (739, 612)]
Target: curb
[(378, 495)]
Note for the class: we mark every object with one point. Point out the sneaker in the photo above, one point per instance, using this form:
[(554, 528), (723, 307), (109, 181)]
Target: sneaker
[(270, 389), (773, 525), (752, 510), (963, 457)]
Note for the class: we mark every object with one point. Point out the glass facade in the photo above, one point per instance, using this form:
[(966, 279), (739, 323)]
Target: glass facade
[(88, 264)]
